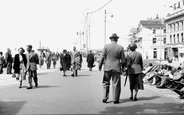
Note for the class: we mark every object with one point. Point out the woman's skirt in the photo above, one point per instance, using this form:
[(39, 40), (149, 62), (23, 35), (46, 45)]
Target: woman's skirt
[(136, 81)]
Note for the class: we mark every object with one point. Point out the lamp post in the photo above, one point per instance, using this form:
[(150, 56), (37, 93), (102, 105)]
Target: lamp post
[(105, 25), (79, 34)]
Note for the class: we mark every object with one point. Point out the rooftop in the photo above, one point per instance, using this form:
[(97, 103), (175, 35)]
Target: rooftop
[(152, 24)]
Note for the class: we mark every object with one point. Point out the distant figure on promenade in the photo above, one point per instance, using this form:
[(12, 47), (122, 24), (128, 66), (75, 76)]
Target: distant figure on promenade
[(1, 62), (41, 58), (9, 61), (19, 66), (48, 59), (113, 58), (81, 60), (135, 68), (90, 60), (65, 61), (32, 61), (76, 62), (54, 60)]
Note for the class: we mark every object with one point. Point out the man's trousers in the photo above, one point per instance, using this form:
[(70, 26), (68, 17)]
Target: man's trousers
[(116, 84), (32, 74)]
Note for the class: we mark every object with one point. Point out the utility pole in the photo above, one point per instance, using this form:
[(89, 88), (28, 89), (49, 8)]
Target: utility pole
[(105, 28)]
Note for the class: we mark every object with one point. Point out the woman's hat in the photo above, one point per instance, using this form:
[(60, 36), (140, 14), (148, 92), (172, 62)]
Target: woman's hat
[(132, 46), (22, 49), (114, 35)]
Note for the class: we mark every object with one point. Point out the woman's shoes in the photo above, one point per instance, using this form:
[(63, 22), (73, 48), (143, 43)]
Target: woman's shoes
[(131, 98)]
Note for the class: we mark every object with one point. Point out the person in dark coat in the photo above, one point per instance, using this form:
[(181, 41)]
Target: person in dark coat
[(9, 61), (65, 61), (1, 62), (20, 62), (135, 67), (90, 60)]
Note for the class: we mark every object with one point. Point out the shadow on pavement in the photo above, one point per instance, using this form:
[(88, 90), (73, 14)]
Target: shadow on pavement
[(45, 86), (10, 107), (139, 99), (147, 109), (44, 73)]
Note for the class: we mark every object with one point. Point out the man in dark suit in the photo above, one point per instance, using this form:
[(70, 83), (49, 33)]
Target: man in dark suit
[(32, 61), (9, 61), (113, 58)]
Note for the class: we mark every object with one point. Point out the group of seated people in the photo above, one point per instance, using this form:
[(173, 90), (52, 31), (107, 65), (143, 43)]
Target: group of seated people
[(165, 76)]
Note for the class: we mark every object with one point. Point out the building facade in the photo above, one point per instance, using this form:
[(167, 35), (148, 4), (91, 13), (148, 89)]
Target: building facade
[(174, 34), (151, 39)]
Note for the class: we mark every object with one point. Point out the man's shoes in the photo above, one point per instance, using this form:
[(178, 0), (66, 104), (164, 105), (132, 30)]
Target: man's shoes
[(104, 100), (29, 87), (131, 98), (116, 102), (72, 75), (135, 98), (36, 85)]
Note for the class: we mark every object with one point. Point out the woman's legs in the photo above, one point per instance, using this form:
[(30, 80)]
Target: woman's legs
[(131, 94)]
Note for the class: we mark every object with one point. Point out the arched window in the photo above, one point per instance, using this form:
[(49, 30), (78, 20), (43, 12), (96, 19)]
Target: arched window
[(170, 39), (182, 39), (178, 38), (155, 53), (174, 40)]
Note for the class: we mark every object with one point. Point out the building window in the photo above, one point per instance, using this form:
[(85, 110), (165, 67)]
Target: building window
[(155, 53), (174, 41), (178, 38), (164, 41), (182, 39), (154, 31), (164, 30), (177, 26), (154, 40), (170, 39), (173, 27), (181, 25)]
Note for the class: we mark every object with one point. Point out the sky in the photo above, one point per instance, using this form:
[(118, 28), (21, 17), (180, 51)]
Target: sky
[(56, 22)]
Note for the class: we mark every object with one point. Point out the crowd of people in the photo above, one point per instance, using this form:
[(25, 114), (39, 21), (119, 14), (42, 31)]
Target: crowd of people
[(165, 76), (25, 63)]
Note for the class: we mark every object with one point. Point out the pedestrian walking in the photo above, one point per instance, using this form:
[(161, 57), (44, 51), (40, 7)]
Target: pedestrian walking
[(76, 62), (32, 61), (113, 58), (135, 68), (9, 61), (54, 60), (19, 66), (41, 59), (65, 61), (2, 60), (90, 60), (48, 59)]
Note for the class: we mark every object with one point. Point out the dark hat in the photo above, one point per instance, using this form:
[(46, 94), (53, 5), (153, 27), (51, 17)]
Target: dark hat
[(22, 49), (29, 46), (114, 35), (132, 46)]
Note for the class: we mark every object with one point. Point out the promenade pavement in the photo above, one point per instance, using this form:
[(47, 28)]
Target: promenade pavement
[(83, 95)]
